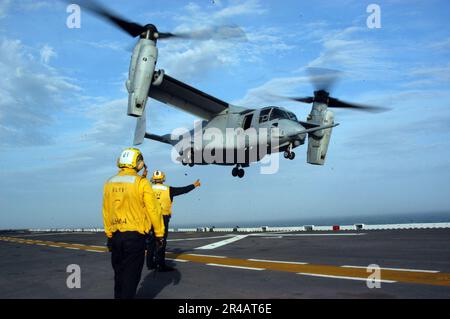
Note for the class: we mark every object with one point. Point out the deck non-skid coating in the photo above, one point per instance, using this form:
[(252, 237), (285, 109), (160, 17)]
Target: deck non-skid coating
[(329, 264)]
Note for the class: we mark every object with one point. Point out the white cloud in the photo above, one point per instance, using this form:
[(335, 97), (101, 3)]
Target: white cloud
[(47, 52), (109, 124), (31, 96), (264, 94), (189, 59), (22, 5), (349, 50), (241, 8), (34, 5), (433, 73), (111, 45)]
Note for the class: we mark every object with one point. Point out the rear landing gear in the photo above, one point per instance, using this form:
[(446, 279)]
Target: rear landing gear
[(289, 155), (237, 171)]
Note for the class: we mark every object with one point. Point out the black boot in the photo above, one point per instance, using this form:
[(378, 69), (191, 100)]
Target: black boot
[(165, 268)]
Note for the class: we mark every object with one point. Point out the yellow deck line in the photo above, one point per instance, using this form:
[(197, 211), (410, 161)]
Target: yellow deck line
[(435, 279)]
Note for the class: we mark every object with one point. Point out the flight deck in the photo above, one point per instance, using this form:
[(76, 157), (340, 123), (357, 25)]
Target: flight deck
[(412, 263)]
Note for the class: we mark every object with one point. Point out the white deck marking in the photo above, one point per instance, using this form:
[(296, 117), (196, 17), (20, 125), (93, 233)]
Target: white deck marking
[(74, 248), (207, 255), (280, 262), (344, 277), (54, 246), (395, 269), (179, 260), (56, 234), (200, 238), (223, 242), (237, 267), (306, 235)]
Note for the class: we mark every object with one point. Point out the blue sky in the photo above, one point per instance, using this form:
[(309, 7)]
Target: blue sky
[(63, 108)]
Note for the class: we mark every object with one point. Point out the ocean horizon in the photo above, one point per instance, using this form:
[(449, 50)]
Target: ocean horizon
[(327, 221)]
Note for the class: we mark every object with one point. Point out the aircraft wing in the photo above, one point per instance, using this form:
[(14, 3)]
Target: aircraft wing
[(314, 129), (189, 99)]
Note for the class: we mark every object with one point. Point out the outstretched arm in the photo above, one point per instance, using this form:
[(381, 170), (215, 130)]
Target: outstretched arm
[(176, 191)]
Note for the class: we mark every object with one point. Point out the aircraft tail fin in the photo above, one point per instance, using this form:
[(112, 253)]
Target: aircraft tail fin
[(166, 139), (139, 132)]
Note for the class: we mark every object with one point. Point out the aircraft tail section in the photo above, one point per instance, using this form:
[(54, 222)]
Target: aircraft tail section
[(166, 139)]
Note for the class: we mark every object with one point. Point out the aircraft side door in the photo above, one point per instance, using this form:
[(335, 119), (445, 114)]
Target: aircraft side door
[(247, 121)]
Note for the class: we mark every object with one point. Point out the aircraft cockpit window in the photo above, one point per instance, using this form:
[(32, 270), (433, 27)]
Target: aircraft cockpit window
[(292, 116), (264, 115), (278, 114)]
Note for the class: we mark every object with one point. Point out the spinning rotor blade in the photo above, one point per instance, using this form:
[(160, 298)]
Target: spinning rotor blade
[(223, 32), (307, 99), (134, 29), (335, 103), (323, 79), (131, 28), (358, 107)]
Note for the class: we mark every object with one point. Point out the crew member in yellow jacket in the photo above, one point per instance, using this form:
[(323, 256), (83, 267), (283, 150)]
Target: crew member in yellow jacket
[(130, 210), (164, 194)]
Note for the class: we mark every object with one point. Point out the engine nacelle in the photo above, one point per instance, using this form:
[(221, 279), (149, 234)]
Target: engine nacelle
[(140, 78), (318, 141)]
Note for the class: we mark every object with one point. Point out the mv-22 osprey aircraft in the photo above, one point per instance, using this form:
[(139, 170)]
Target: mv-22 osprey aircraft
[(145, 81)]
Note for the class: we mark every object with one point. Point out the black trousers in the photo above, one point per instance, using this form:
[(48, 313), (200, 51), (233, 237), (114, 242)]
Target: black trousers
[(127, 259), (156, 256)]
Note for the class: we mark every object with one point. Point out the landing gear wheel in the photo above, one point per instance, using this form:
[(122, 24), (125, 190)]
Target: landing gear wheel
[(191, 164), (235, 171), (292, 156), (286, 154), (241, 173)]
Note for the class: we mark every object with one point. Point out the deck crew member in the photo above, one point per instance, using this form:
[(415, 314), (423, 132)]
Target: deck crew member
[(164, 194), (130, 210)]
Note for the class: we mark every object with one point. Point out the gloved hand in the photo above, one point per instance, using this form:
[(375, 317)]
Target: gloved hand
[(109, 244), (197, 183), (159, 241), (144, 174)]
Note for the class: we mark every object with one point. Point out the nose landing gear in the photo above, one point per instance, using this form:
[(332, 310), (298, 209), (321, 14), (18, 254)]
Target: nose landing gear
[(288, 153), (237, 171)]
